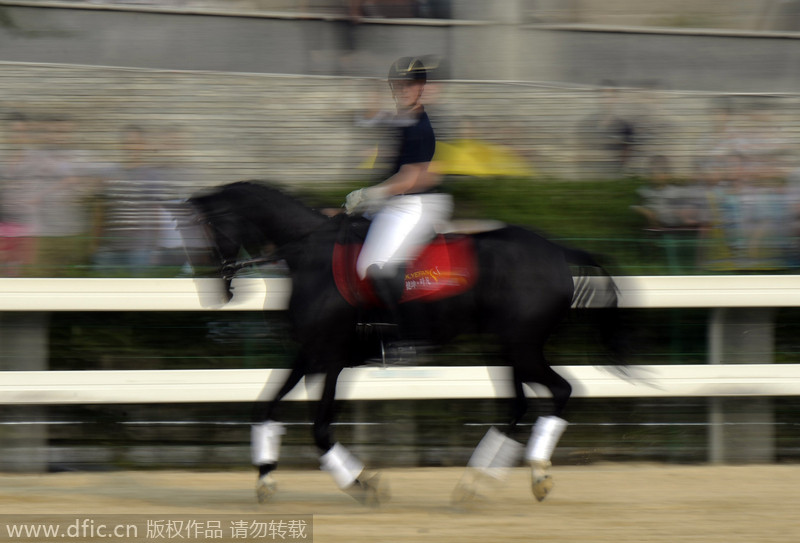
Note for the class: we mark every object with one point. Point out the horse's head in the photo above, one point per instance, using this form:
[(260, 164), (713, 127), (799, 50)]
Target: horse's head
[(219, 224), (244, 221), (216, 223)]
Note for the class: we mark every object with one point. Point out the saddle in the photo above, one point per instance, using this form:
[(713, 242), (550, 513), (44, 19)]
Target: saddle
[(445, 267)]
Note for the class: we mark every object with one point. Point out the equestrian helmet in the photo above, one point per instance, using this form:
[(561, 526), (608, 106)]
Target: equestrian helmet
[(407, 69)]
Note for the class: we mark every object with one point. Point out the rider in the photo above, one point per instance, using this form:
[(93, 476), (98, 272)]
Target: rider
[(406, 207)]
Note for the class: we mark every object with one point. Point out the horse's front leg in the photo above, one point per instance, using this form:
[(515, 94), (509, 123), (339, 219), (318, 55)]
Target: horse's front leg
[(266, 435), (347, 470)]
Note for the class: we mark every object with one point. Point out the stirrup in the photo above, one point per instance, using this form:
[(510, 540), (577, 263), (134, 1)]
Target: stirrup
[(380, 327), (398, 353)]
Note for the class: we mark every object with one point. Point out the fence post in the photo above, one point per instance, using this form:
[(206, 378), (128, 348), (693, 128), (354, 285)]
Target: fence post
[(741, 429), (23, 346)]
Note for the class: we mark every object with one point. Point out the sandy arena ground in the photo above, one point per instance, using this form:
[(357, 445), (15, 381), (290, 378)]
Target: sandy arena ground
[(600, 503)]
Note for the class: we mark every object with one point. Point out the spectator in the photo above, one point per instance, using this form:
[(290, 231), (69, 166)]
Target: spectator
[(131, 217), (665, 203), (17, 193), (671, 212), (64, 186), (608, 136), (749, 210)]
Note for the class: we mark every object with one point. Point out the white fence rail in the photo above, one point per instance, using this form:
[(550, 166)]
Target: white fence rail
[(393, 383), (253, 294)]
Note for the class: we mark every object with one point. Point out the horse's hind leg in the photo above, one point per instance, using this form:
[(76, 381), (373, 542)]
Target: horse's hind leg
[(490, 462), (266, 436), (546, 433), (495, 453), (547, 430)]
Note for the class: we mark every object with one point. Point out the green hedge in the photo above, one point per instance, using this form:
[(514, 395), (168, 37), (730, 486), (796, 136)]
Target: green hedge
[(593, 215)]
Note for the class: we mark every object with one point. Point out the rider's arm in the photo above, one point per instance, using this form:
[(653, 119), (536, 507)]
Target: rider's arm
[(409, 179)]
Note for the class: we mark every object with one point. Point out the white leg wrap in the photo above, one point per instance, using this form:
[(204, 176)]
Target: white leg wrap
[(342, 465), (544, 438), (495, 453), (265, 439)]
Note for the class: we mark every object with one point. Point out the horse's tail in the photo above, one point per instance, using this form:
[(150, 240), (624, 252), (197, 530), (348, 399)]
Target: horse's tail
[(595, 289), (594, 286)]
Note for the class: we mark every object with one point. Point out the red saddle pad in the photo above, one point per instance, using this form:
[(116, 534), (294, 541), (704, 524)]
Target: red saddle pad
[(446, 267)]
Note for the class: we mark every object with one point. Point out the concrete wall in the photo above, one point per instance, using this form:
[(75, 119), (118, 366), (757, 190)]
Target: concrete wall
[(219, 127), (700, 62), (232, 97), (498, 47)]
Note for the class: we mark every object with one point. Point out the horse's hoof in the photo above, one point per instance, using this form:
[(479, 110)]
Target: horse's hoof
[(369, 489), (541, 481), (266, 487), (463, 494), (470, 487), (542, 486)]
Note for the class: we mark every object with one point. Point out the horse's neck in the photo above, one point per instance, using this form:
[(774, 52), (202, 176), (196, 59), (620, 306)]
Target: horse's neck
[(286, 220)]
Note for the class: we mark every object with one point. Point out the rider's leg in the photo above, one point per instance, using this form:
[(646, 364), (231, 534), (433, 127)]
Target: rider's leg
[(390, 240), (388, 245), (397, 233), (388, 284), (401, 227)]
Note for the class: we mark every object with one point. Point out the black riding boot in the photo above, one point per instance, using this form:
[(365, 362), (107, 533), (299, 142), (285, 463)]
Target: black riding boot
[(389, 289)]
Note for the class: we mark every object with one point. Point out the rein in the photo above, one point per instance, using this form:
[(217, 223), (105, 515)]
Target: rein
[(229, 268)]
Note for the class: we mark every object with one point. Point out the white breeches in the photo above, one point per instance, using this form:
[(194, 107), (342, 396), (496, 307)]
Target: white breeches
[(400, 228)]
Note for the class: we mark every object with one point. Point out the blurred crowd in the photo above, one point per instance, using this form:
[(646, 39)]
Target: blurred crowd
[(740, 208), (65, 212), (115, 210)]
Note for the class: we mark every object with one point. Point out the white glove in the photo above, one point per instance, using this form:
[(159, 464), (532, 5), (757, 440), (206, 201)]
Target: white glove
[(368, 199), (353, 201)]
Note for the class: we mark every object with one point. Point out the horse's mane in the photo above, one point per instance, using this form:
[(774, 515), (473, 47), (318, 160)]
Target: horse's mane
[(262, 208)]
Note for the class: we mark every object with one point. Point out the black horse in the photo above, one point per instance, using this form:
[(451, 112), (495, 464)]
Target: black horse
[(521, 288)]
